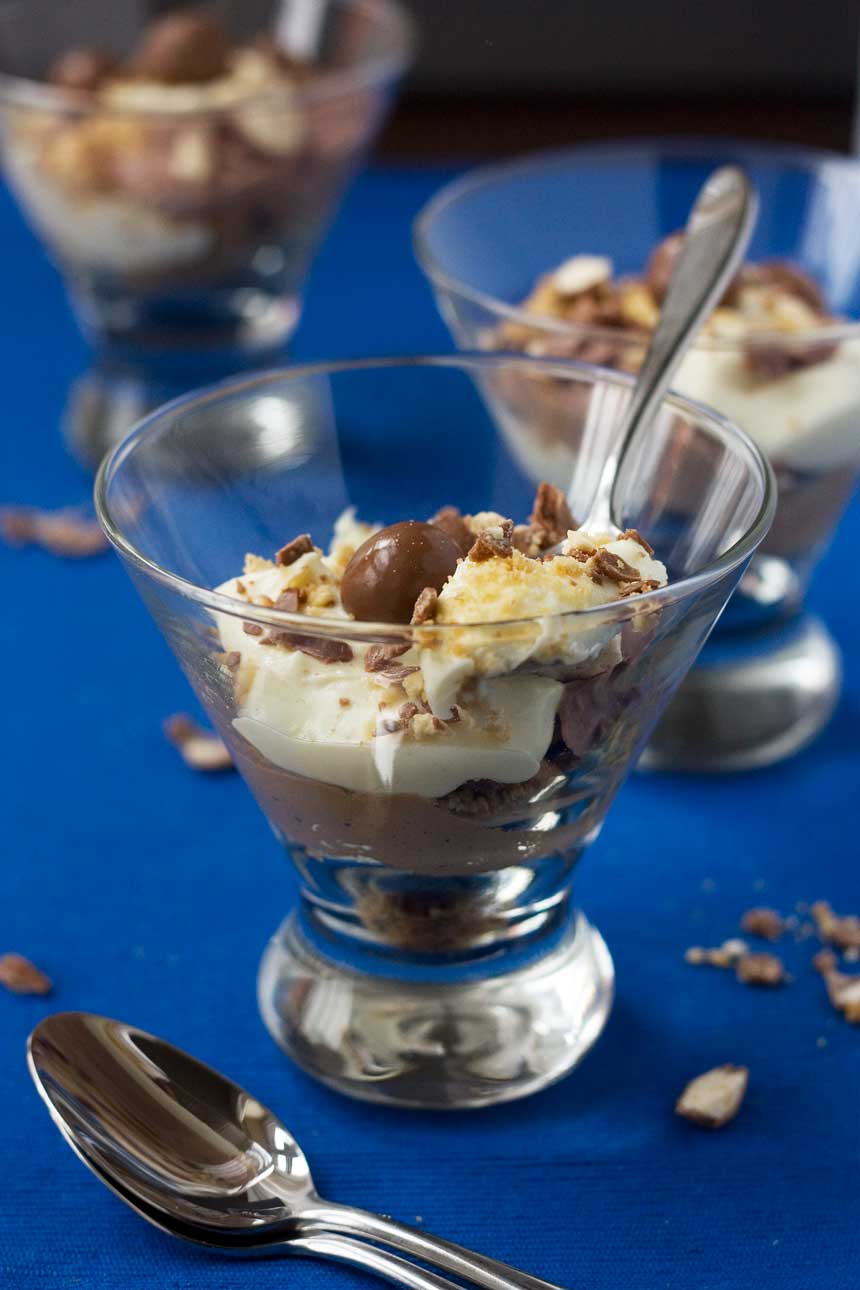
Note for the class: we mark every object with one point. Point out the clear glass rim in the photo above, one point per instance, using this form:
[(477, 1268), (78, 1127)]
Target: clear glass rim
[(464, 362), (378, 69), (614, 150)]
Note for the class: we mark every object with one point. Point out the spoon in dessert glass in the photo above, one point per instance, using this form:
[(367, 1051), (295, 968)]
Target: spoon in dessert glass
[(200, 1158), (715, 240)]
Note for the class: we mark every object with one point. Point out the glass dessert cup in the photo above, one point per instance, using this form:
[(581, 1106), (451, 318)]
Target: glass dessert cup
[(769, 678), (436, 957), (183, 212)]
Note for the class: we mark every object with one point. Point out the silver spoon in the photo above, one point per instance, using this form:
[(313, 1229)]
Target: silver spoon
[(198, 1156), (716, 237)]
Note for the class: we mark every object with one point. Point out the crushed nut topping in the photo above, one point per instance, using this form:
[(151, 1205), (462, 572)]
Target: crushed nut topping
[(200, 749), (252, 629), (425, 606), (551, 516), (636, 536), (291, 600), (713, 1099), (760, 969), (65, 532), (233, 660), (609, 565), (321, 648), (763, 922), (301, 545), (23, 977), (378, 657), (493, 543)]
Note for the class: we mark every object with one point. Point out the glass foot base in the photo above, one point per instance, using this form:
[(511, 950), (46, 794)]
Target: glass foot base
[(746, 708), (469, 1043)]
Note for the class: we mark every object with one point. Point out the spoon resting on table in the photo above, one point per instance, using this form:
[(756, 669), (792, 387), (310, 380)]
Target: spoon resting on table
[(199, 1157), (715, 240)]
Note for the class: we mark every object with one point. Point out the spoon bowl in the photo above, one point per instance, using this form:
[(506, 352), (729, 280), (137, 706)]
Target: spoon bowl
[(202, 1159)]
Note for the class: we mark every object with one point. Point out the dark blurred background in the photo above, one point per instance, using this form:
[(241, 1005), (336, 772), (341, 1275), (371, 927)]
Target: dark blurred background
[(502, 76)]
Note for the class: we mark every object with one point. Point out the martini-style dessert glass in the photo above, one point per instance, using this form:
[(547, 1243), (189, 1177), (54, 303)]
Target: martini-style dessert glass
[(433, 681)]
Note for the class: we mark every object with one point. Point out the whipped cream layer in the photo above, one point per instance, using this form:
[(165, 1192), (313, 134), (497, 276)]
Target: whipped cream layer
[(464, 701), (808, 419)]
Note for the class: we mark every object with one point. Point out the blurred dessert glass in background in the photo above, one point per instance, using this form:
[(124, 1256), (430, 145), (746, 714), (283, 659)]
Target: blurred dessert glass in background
[(567, 255), (183, 168)]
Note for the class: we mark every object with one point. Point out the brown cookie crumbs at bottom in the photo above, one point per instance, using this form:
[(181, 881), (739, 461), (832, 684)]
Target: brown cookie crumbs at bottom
[(23, 977), (301, 545), (714, 1098), (763, 922), (760, 969), (378, 657), (425, 606), (200, 749), (65, 532), (491, 544)]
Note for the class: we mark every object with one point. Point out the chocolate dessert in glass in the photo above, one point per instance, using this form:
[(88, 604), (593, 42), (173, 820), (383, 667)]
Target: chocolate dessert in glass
[(433, 682), (182, 167), (567, 255)]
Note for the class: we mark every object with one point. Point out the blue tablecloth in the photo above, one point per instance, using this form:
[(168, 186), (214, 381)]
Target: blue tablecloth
[(148, 892)]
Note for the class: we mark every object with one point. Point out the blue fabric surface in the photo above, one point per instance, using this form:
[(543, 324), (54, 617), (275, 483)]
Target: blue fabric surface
[(148, 892)]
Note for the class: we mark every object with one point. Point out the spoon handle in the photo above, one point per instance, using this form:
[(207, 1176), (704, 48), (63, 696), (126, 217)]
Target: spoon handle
[(717, 235), (480, 1270), (357, 1254)]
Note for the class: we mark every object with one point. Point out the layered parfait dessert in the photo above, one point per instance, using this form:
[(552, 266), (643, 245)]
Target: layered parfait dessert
[(764, 360), (178, 161), (485, 733)]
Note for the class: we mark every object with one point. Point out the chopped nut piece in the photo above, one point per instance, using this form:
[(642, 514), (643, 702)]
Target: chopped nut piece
[(321, 648), (608, 564), (23, 977), (844, 993), (713, 1099), (199, 748), (842, 930), (425, 606), (636, 536), (493, 543), (551, 516), (290, 600), (760, 969), (344, 701), (763, 922), (252, 629), (66, 532), (825, 962), (378, 657), (233, 659), (398, 672), (299, 546), (723, 956)]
